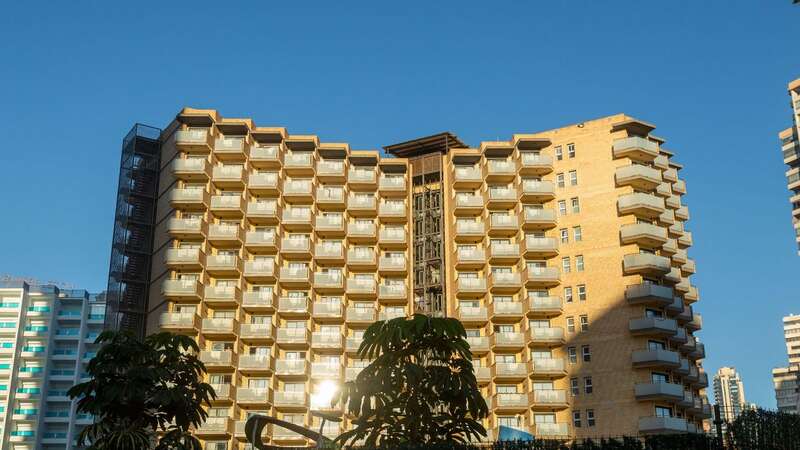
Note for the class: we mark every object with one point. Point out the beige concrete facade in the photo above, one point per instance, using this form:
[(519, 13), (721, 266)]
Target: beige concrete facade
[(790, 146), (565, 255)]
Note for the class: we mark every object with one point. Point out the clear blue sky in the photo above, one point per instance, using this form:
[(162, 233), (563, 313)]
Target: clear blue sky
[(711, 75)]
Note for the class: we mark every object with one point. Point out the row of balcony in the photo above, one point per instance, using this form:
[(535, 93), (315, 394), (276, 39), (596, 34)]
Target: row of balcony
[(511, 311), (226, 264)]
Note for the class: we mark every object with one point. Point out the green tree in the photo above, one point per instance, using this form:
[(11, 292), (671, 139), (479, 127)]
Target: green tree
[(141, 388), (419, 388)]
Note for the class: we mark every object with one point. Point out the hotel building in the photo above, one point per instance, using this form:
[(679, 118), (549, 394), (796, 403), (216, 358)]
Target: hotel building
[(787, 379), (790, 146), (563, 252), (47, 337)]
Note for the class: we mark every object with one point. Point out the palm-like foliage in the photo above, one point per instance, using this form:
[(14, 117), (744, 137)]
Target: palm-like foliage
[(420, 387), (140, 388)]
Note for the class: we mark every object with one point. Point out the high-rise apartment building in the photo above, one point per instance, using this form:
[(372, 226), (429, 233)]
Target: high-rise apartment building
[(47, 337), (563, 252), (790, 145), (787, 379), (729, 393)]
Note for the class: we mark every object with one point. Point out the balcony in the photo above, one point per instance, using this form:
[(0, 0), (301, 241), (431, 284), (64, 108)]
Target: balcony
[(393, 237), (362, 178), (218, 427), (182, 290), (296, 219), (688, 268), (224, 265), (254, 397), (638, 176), (325, 341), (505, 282), (187, 228), (193, 140), (469, 231), (294, 307), (682, 213), (545, 306), (259, 301), (226, 393), (546, 336), (500, 170), (229, 176), (352, 344), (479, 345), (641, 204), (470, 287), (673, 202), (299, 163), (257, 332), (351, 373), (537, 191), (235, 148), (656, 358), (472, 315), (667, 217), (548, 368), (264, 157), (670, 247), (671, 174), (361, 287), (220, 328), (392, 185), (359, 316), (392, 265), (510, 402), (218, 359), (331, 226), (293, 338), (467, 177), (362, 258), (296, 248), (392, 293), (643, 234), (542, 276), (326, 370), (664, 189), (290, 400), (263, 212), (291, 368), (510, 371), (184, 258), (502, 225), (329, 282), (538, 219), (686, 239), (389, 314), (535, 163), (506, 311), (696, 323), (392, 212), (540, 247), (470, 258), (260, 241), (502, 197), (468, 204), (513, 340), (552, 430), (662, 425), (331, 170), (362, 233), (177, 322), (224, 296), (330, 199), (645, 264), (298, 191), (554, 399), (223, 235), (264, 183), (636, 148), (260, 270), (653, 326), (190, 199), (649, 294)]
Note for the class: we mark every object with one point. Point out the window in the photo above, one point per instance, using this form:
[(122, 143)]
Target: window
[(568, 294), (663, 411), (659, 377), (576, 419), (576, 234), (573, 386), (573, 177), (587, 385), (587, 353), (562, 207), (572, 354), (576, 205), (564, 235), (560, 179), (589, 417), (579, 263), (559, 153), (571, 324), (582, 292), (584, 323), (571, 150), (565, 264)]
